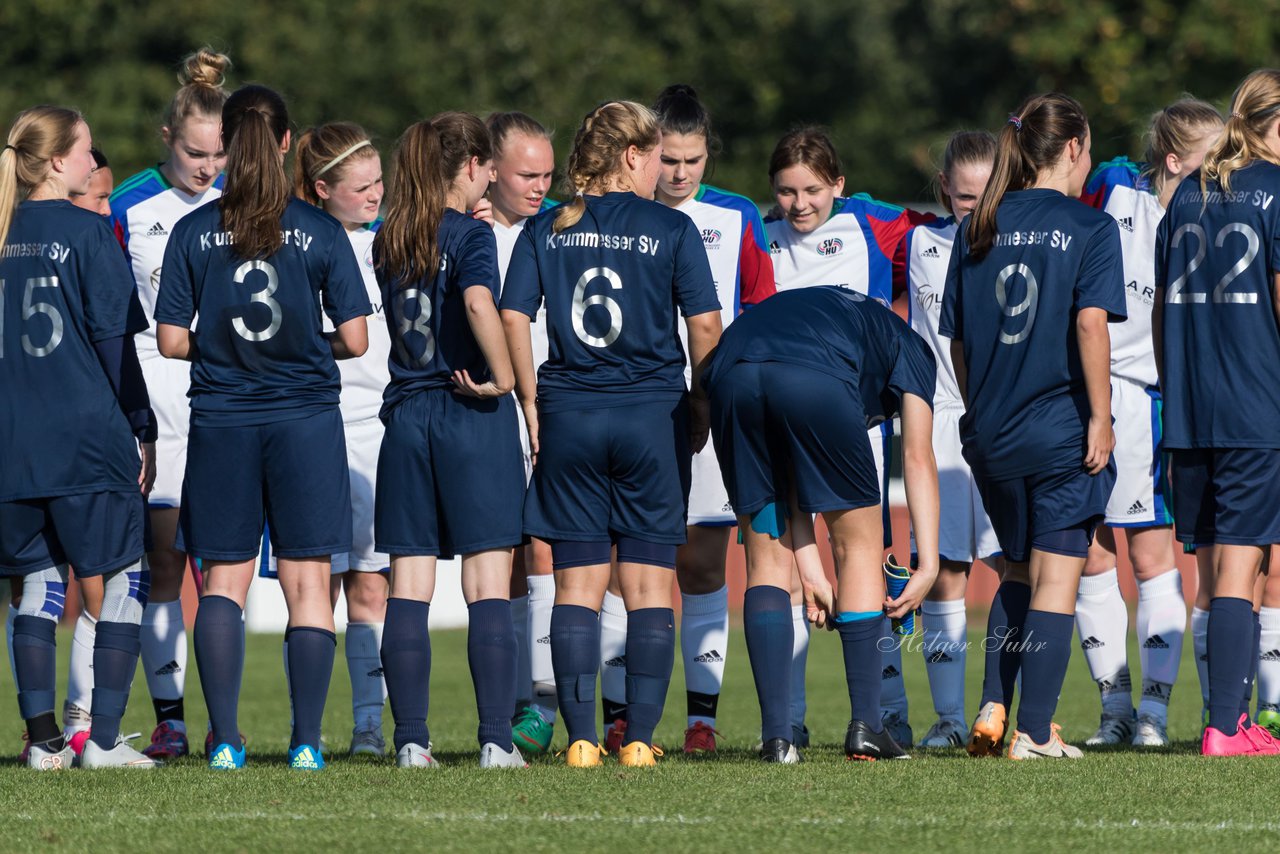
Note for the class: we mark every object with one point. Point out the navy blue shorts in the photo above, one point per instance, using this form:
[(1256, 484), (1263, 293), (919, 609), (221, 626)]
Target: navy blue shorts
[(617, 471), (1227, 496), (450, 476), (1022, 509), (96, 533), (293, 472), (780, 427)]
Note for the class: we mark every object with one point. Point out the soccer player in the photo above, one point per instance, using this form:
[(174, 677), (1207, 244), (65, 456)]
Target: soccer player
[(98, 198), (965, 533), (1034, 280), (786, 383), (523, 167), (1136, 196), (80, 462), (450, 478), (338, 169), (824, 238), (144, 210), (255, 268), (1216, 332), (611, 422)]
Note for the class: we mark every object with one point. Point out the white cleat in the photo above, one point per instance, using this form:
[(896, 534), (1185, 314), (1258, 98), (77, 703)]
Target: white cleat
[(40, 758), (416, 756), (368, 741), (1150, 733), (1113, 729), (492, 756), (121, 756), (1022, 747), (946, 733)]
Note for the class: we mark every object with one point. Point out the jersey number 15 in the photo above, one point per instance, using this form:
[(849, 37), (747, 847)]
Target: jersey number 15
[(30, 308)]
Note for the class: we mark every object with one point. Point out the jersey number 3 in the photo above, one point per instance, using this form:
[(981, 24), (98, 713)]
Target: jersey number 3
[(262, 297), (30, 308)]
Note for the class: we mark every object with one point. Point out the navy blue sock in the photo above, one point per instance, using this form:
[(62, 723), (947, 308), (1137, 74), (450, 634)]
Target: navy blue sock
[(1253, 671), (491, 652), (1046, 649), (651, 652), (219, 641), (115, 658), (766, 621), (35, 658), (406, 668), (575, 657), (1230, 644), (311, 652), (862, 667), (1004, 628)]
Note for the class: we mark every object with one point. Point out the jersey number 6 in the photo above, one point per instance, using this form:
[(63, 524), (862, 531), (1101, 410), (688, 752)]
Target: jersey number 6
[(581, 302), (29, 310), (262, 297)]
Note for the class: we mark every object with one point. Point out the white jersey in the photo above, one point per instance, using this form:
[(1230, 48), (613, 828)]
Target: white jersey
[(928, 254), (144, 209), (506, 236), (364, 379), (1119, 188)]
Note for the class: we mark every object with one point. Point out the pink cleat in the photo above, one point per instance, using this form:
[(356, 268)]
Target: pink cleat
[(1245, 742), (76, 741), (167, 742)]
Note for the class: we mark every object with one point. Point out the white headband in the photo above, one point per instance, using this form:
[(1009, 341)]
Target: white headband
[(343, 156)]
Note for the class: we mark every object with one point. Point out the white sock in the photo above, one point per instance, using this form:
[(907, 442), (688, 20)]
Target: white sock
[(1268, 680), (520, 622), (8, 642), (164, 649), (704, 644), (944, 656), (1162, 621), (893, 688), (80, 672), (364, 664), (799, 660), (542, 596), (613, 649), (1200, 645), (1103, 623)]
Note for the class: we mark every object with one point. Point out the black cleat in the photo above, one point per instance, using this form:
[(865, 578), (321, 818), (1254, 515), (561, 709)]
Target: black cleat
[(860, 742), (781, 751)]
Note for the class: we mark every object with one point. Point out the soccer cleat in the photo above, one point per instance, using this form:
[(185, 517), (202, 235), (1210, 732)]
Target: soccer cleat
[(224, 757), (1150, 733), (1022, 747), (493, 756), (304, 757), (26, 748), (1114, 729), (77, 741), (780, 751), (167, 742), (944, 733), (42, 757), (121, 756), (583, 754), (861, 743), (1262, 738), (614, 733), (367, 740), (700, 738), (1271, 720), (416, 756), (898, 728), (1245, 742), (532, 731), (986, 736), (637, 754)]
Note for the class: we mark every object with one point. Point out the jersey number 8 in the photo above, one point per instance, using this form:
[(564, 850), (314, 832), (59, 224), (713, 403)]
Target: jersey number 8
[(29, 310), (582, 302), (419, 324), (262, 297)]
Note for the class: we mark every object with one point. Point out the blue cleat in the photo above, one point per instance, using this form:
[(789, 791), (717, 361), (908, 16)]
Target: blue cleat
[(226, 758), (304, 757)]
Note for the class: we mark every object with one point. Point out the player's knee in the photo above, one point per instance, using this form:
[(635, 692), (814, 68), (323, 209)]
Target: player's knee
[(44, 594), (168, 568), (124, 595)]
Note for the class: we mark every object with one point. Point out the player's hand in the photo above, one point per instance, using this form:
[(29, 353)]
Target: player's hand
[(465, 386), (483, 211), (1101, 442), (913, 594), (147, 476), (531, 423), (699, 422), (819, 598)]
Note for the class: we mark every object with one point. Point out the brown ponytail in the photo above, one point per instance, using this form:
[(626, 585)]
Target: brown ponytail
[(254, 124), (606, 133)]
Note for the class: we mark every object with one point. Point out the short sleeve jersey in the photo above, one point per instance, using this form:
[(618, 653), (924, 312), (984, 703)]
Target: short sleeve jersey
[(506, 236), (365, 379), (1119, 188), (261, 355), (144, 210), (928, 254), (613, 284), (838, 332), (1015, 310), (854, 248), (430, 334), (1217, 253), (63, 287)]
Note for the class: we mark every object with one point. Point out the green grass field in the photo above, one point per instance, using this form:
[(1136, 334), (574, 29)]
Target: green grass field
[(1112, 800)]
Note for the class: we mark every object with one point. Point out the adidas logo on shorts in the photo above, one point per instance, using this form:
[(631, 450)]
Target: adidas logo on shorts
[(931, 252), (1136, 508), (890, 672), (1155, 642), (545, 639), (157, 230), (1270, 655), (1126, 222), (712, 657), (169, 669), (940, 657), (617, 661), (1091, 643)]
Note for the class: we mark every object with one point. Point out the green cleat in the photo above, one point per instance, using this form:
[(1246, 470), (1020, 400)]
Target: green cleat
[(1271, 720), (532, 732)]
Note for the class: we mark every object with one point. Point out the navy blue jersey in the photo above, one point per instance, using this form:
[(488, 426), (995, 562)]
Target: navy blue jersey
[(1216, 257), (1015, 311), (260, 355), (64, 285), (430, 334), (839, 332), (612, 285)]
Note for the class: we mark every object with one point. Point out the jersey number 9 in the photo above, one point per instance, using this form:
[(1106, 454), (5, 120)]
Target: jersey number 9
[(1027, 306), (262, 297), (582, 302), (30, 309)]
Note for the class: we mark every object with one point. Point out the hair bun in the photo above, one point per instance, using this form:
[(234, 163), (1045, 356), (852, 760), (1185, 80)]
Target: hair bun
[(205, 67)]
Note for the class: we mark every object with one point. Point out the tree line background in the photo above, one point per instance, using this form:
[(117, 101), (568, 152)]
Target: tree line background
[(890, 78)]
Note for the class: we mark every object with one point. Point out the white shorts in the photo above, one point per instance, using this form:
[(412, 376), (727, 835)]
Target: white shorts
[(1139, 499), (881, 439), (964, 531), (708, 499), (168, 381), (364, 440)]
